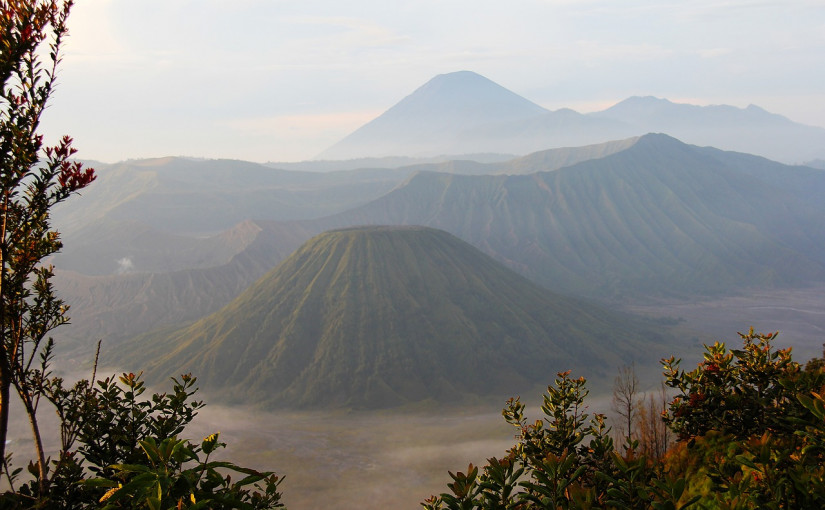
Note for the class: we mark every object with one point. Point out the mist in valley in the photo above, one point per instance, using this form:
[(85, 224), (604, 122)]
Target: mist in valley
[(373, 460), (330, 459)]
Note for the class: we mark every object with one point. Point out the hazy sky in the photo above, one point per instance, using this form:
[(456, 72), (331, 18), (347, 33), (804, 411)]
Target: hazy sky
[(281, 80)]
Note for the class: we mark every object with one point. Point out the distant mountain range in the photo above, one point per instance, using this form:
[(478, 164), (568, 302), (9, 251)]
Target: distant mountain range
[(163, 215), (465, 113), (203, 197), (654, 217), (384, 316), (635, 219)]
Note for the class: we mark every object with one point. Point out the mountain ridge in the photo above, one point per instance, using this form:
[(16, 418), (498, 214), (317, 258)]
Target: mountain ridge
[(431, 121), (586, 224)]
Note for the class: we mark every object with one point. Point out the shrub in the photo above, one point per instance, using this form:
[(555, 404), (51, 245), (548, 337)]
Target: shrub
[(125, 451), (750, 424)]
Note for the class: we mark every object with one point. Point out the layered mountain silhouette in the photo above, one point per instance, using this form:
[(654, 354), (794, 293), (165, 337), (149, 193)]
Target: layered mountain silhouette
[(383, 316), (752, 129), (635, 219), (659, 217), (205, 197), (465, 113)]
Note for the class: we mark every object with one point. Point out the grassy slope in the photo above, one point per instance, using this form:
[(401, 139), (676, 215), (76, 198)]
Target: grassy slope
[(378, 317)]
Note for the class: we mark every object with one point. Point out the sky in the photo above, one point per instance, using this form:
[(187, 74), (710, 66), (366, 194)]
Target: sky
[(282, 80)]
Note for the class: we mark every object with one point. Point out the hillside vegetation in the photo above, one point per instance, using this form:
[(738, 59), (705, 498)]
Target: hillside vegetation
[(382, 316)]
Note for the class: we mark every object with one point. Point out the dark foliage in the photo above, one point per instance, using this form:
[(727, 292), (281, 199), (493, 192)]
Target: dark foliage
[(125, 452), (751, 434)]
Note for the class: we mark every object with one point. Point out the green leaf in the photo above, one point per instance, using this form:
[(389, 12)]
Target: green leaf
[(747, 462), (99, 482), (210, 443), (131, 468), (690, 502)]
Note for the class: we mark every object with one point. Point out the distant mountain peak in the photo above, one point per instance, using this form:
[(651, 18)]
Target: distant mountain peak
[(641, 107), (761, 113), (660, 142), (433, 119), (468, 84), (460, 77), (466, 94), (647, 100), (638, 106), (659, 138), (456, 99)]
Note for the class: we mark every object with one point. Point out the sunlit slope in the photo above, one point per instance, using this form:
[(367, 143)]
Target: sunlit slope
[(658, 218), (381, 316)]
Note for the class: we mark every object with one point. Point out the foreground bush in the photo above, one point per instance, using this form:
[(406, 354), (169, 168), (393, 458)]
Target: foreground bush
[(123, 450), (750, 424)]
